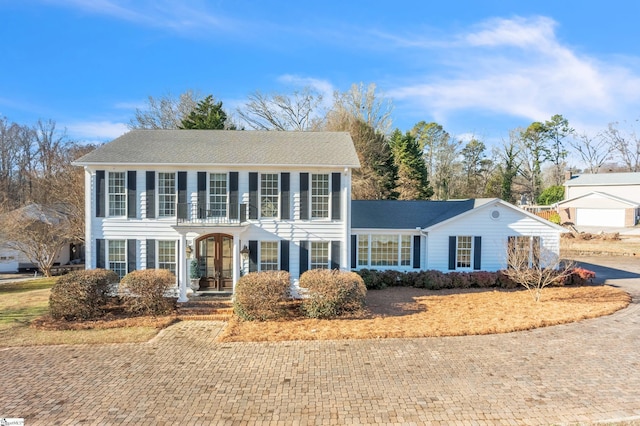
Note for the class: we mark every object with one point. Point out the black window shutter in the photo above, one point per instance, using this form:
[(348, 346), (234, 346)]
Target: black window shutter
[(100, 193), (253, 195), (131, 194), (100, 253), (304, 196), (477, 253), (335, 254), (202, 195), (335, 196), (285, 194), (452, 252), (234, 199), (182, 195), (416, 251), (253, 256), (131, 255), (354, 251), (284, 255), (151, 194), (151, 254), (304, 257)]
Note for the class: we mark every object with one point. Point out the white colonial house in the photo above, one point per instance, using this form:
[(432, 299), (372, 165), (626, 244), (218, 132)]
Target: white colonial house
[(242, 201)]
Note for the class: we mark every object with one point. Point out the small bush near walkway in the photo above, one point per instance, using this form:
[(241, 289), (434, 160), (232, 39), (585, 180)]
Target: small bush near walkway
[(81, 295), (332, 293), (143, 292), (260, 295)]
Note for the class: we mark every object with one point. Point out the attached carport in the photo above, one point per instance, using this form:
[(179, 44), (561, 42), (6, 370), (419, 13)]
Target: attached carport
[(598, 209)]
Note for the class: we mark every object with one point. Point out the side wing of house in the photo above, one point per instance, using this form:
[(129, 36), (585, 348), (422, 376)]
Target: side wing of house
[(479, 239)]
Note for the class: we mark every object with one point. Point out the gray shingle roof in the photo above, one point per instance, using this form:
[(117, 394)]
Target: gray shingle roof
[(227, 147), (605, 179), (396, 214)]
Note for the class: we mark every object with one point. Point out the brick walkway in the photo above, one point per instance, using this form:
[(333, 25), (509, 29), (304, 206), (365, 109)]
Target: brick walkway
[(577, 373)]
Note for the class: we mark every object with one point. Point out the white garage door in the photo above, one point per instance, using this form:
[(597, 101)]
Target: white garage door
[(600, 217)]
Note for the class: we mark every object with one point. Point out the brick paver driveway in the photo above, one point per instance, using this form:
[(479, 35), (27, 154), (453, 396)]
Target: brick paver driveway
[(577, 373)]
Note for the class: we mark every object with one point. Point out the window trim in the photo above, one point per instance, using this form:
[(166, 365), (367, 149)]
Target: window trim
[(226, 194), (325, 265), (368, 237), (108, 260), (159, 208), (277, 252), (109, 193), (175, 255), (327, 211), (470, 251), (277, 195)]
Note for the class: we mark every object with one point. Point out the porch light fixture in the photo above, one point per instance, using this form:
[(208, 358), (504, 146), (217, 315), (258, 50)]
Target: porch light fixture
[(245, 252), (189, 250)]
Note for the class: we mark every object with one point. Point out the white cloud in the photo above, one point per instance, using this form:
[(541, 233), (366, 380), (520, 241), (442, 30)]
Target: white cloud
[(324, 87), (96, 130), (181, 17), (518, 67)]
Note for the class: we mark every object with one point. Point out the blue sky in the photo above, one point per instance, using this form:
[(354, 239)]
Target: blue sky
[(476, 67)]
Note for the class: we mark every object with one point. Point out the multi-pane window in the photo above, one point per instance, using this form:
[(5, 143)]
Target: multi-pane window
[(463, 252), (269, 195), (268, 255), (405, 250), (524, 252), (166, 194), (167, 255), (319, 255), (117, 194), (218, 195), (319, 196), (363, 250), (118, 257), (384, 250)]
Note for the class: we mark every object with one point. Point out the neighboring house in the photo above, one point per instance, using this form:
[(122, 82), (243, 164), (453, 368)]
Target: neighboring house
[(599, 209), (242, 201), (603, 199), (460, 235), (12, 260)]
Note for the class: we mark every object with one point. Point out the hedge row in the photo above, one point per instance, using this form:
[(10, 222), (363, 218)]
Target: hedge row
[(436, 280), (83, 295)]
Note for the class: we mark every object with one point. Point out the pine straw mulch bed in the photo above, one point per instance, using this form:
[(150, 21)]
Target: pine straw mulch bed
[(403, 312), (114, 317)]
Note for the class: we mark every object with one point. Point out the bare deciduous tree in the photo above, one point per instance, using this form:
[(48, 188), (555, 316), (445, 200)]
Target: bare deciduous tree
[(533, 266), (39, 232), (594, 151), (363, 104), (165, 112), (298, 111), (626, 145)]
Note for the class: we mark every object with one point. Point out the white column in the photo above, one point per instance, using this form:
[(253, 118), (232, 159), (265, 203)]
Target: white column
[(236, 261), (182, 260)]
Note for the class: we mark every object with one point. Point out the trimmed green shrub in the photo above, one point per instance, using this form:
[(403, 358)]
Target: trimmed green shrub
[(143, 292), (331, 293), (259, 295), (81, 294)]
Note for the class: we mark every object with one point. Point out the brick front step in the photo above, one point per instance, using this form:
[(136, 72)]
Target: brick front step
[(206, 309)]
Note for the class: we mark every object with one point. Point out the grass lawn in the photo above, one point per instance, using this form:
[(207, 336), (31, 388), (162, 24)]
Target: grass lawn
[(403, 312), (626, 245), (22, 303)]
